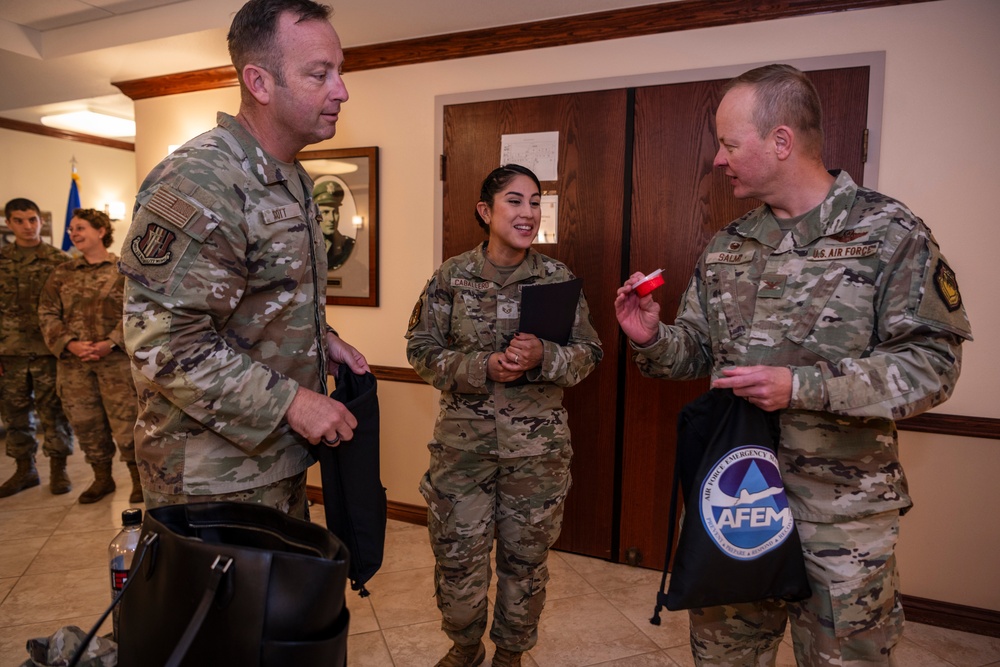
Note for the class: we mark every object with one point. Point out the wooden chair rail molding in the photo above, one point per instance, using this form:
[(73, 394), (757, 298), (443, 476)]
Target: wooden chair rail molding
[(611, 24), (931, 422)]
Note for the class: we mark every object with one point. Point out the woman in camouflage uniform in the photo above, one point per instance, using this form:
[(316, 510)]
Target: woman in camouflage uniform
[(80, 313), (501, 452)]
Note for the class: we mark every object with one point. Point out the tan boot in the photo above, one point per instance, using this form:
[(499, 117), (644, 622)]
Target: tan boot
[(136, 495), (505, 658), (58, 479), (25, 477), (463, 656), (103, 484)]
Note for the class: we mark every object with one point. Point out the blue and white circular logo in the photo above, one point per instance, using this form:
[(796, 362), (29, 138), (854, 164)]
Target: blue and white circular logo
[(743, 503)]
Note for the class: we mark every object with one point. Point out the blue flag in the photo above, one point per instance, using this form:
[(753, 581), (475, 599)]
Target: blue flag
[(72, 204)]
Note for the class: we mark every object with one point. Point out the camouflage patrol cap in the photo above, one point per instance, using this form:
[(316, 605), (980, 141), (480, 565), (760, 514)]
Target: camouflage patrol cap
[(328, 193)]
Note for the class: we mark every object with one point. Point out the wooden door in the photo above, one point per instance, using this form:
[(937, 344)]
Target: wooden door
[(678, 202), (591, 130)]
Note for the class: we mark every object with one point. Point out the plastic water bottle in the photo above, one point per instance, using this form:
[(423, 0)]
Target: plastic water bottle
[(120, 553)]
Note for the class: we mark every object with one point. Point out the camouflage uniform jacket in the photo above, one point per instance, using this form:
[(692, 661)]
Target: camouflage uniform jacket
[(82, 301), (859, 303), (23, 272), (465, 314), (224, 314)]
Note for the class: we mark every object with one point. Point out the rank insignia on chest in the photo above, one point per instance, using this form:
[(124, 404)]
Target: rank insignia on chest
[(771, 286), (506, 310), (947, 286)]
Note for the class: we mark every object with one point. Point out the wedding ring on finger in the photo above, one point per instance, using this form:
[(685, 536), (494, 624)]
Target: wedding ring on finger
[(517, 358), (328, 442)]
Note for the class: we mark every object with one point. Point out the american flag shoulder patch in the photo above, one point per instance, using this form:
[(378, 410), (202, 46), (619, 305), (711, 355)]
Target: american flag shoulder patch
[(171, 208)]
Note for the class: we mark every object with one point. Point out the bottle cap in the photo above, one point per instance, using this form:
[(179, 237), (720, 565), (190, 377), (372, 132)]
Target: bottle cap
[(649, 283), (132, 516)]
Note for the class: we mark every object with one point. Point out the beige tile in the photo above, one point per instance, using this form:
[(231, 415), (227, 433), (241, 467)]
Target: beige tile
[(407, 549), (637, 604), (418, 644), (564, 581), (368, 650), (607, 576), (95, 516), (658, 659), (404, 598), (13, 639), (16, 555), (45, 597), (962, 649), (73, 551), (27, 523), (910, 654), (681, 655), (6, 585), (362, 615), (586, 630)]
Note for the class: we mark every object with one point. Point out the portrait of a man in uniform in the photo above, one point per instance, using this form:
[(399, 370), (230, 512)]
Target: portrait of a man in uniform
[(329, 194)]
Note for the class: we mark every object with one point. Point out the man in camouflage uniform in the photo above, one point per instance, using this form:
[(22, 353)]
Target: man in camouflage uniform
[(27, 367), (834, 305), (226, 278), (500, 454)]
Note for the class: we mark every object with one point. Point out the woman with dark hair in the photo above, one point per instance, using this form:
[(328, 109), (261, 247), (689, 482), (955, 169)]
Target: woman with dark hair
[(500, 454), (80, 313)]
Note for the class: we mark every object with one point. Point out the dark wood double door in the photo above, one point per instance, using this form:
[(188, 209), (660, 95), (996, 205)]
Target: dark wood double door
[(637, 191)]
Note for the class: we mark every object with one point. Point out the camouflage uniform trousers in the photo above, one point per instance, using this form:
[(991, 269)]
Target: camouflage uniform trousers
[(473, 498), (854, 617), (100, 400), (287, 495), (27, 388)]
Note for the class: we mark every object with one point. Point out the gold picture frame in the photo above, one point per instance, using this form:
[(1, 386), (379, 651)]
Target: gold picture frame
[(346, 191)]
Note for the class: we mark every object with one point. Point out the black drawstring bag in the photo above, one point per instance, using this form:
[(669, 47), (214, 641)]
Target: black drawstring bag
[(353, 495), (738, 541)]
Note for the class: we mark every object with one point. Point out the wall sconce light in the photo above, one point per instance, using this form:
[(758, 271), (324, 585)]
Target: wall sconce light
[(358, 221), (115, 210)]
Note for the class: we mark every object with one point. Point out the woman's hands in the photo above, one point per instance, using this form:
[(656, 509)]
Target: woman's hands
[(524, 353)]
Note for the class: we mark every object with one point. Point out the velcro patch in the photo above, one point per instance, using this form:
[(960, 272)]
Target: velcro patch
[(947, 286), (153, 247), (171, 208), (465, 282), (415, 315), (282, 213), (847, 251), (729, 257)]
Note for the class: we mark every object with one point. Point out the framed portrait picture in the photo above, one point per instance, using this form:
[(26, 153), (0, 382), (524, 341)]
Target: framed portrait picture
[(346, 191)]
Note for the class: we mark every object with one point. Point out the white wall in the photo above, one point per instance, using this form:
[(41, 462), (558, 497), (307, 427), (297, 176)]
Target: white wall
[(938, 152), (38, 167)]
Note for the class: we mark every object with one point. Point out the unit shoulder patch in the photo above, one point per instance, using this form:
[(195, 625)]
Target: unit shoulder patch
[(947, 286)]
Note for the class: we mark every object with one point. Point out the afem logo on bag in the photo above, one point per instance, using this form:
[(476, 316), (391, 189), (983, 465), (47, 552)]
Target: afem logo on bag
[(743, 504)]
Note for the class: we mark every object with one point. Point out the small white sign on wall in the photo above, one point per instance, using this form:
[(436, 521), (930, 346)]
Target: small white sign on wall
[(538, 151)]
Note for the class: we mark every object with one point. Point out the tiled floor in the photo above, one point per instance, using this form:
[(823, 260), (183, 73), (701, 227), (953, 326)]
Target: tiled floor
[(53, 573)]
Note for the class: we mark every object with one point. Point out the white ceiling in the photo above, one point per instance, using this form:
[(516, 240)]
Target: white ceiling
[(62, 55)]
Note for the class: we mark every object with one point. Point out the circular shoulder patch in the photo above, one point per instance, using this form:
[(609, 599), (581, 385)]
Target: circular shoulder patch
[(743, 504)]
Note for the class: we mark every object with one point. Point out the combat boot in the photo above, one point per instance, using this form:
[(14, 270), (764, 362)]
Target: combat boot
[(103, 484), (58, 479), (25, 477), (505, 658), (463, 656), (136, 495)]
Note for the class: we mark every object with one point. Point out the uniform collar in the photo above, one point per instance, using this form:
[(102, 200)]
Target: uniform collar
[(828, 218), (481, 267), (266, 168)]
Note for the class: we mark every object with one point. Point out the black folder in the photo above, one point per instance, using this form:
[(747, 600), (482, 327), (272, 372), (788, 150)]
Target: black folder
[(548, 311)]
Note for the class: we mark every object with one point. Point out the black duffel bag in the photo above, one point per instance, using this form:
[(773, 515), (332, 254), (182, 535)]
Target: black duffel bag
[(225, 583)]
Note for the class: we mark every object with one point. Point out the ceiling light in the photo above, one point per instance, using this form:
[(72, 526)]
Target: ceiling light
[(91, 122)]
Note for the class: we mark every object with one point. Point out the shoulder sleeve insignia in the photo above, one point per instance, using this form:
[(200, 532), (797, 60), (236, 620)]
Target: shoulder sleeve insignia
[(415, 315), (947, 286), (153, 247), (171, 208)]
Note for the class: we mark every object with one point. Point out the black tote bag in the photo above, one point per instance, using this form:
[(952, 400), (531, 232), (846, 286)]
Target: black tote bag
[(221, 583), (738, 541)]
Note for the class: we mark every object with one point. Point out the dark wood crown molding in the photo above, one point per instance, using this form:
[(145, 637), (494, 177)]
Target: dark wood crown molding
[(611, 24), (34, 128)]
